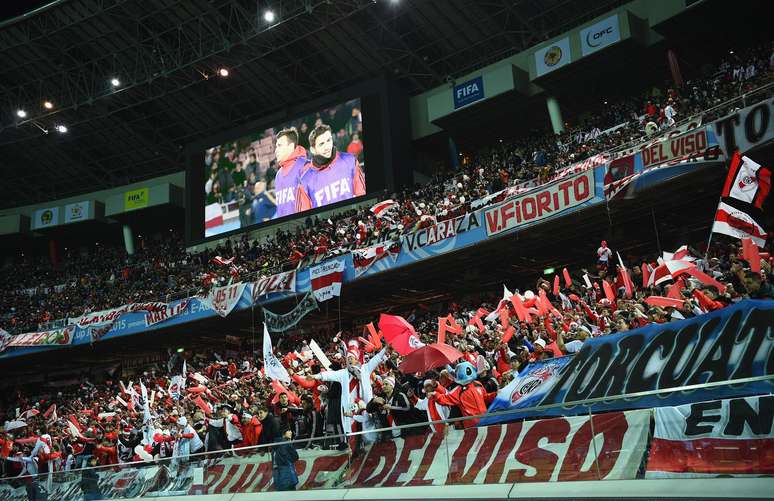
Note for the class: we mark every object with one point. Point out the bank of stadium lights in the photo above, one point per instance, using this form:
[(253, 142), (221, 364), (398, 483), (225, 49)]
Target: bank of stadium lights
[(61, 128), (48, 105), (21, 113), (223, 72), (269, 16), (115, 82)]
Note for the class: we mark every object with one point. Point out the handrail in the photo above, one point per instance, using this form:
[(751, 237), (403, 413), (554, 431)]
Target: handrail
[(538, 408)]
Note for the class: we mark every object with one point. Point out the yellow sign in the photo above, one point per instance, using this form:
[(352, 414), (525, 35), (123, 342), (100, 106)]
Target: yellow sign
[(136, 199)]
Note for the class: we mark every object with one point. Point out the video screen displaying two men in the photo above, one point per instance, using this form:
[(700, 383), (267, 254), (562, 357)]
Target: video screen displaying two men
[(307, 163)]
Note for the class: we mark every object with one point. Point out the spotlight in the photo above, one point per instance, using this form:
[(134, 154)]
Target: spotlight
[(21, 113), (223, 72), (115, 82), (180, 350), (269, 16), (61, 129), (48, 105)]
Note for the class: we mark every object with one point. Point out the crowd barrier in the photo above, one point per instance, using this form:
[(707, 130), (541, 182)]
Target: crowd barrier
[(574, 189), (702, 439)]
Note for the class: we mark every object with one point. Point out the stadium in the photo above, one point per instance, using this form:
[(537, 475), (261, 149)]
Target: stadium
[(386, 249)]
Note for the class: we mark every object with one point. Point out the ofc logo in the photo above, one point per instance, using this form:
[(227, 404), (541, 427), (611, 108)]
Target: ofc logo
[(595, 39)]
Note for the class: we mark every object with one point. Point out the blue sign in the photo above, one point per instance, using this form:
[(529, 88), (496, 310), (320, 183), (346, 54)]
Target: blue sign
[(468, 92), (731, 343)]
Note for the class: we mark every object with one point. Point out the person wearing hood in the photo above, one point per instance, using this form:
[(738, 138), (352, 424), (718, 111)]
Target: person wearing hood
[(331, 176), (188, 441), (283, 458), (291, 158)]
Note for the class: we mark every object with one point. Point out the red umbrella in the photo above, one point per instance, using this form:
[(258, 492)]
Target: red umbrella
[(399, 333), (429, 357)]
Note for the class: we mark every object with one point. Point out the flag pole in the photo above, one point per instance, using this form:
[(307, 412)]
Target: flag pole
[(709, 240)]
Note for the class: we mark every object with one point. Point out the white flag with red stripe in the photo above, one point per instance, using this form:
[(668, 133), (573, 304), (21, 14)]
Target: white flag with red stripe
[(738, 224), (383, 208), (326, 279)]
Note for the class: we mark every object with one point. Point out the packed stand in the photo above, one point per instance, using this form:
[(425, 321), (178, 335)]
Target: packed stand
[(205, 402), (38, 293)]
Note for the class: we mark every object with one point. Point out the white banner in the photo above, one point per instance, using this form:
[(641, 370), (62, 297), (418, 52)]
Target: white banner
[(222, 300), (516, 452), (540, 204), (272, 367), (281, 282), (326, 279)]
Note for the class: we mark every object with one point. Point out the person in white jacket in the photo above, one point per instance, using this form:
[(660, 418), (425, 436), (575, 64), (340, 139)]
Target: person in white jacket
[(355, 381)]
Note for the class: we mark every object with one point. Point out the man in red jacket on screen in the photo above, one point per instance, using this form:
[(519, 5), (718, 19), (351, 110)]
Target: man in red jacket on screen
[(331, 176), (291, 158)]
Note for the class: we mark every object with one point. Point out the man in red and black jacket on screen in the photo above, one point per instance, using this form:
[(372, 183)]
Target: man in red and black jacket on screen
[(291, 158), (331, 176)]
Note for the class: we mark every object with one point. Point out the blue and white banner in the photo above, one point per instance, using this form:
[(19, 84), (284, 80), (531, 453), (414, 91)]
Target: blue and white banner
[(468, 92), (732, 343)]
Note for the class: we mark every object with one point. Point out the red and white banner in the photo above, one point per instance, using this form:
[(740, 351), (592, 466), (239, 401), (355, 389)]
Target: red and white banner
[(362, 259), (665, 136), (326, 279), (222, 300), (738, 224), (557, 449), (213, 216), (62, 336), (281, 282), (540, 204), (107, 317), (678, 147), (168, 311), (382, 208), (708, 439)]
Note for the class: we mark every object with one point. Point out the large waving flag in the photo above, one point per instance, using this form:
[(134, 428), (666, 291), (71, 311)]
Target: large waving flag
[(746, 189), (272, 367)]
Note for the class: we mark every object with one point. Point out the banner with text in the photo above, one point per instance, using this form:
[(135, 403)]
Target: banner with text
[(326, 279), (281, 282), (712, 439), (732, 343), (516, 452), (222, 300), (540, 204)]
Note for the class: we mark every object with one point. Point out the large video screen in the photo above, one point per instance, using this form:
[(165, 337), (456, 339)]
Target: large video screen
[(313, 161)]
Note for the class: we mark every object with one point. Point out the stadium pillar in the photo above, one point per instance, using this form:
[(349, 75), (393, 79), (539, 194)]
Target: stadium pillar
[(453, 154), (555, 114), (128, 239), (53, 251)]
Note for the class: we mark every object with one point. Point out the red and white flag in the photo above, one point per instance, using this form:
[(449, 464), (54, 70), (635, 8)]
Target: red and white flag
[(222, 261), (213, 216), (363, 259), (747, 181), (326, 279), (383, 208), (739, 224), (741, 202)]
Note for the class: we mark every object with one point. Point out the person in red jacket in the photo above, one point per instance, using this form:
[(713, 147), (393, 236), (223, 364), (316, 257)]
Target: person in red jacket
[(470, 396)]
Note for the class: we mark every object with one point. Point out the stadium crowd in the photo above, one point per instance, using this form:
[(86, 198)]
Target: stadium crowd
[(35, 293), (199, 402)]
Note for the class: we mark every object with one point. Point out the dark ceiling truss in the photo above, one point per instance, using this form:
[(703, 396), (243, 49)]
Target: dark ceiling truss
[(166, 53)]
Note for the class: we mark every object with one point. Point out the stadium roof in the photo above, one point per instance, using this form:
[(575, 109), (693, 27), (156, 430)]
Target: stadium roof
[(165, 54)]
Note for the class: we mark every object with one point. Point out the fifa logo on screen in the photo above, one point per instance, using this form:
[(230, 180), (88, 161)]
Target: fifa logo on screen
[(467, 90)]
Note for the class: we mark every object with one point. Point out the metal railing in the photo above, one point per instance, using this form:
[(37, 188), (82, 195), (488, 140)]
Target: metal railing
[(526, 413)]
